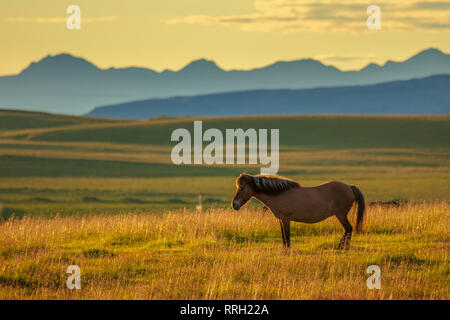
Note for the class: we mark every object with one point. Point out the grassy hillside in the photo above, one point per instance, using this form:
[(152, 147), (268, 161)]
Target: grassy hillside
[(317, 132), (104, 195), (64, 164), (223, 255), (12, 119)]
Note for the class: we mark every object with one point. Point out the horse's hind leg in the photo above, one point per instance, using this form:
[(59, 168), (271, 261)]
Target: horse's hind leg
[(345, 241), (286, 232)]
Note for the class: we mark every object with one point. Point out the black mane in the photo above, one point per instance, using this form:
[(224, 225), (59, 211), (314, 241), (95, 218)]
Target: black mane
[(270, 185)]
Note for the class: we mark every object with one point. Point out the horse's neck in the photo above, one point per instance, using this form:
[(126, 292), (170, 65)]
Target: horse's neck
[(264, 198)]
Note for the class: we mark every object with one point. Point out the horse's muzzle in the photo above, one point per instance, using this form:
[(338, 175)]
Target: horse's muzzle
[(236, 205)]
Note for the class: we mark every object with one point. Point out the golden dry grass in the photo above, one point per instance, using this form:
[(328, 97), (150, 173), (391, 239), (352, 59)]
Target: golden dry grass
[(221, 254)]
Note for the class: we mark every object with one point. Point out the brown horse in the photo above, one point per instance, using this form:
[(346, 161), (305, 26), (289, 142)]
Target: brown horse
[(289, 201)]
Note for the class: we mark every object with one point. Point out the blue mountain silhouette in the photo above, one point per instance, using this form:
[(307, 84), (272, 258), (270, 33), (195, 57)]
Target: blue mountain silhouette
[(66, 84), (430, 95)]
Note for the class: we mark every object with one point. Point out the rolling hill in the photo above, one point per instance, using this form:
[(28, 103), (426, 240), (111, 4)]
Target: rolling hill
[(72, 85), (429, 95), (52, 163), (104, 195)]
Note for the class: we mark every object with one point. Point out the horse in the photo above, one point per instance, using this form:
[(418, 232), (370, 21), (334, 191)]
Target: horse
[(289, 201)]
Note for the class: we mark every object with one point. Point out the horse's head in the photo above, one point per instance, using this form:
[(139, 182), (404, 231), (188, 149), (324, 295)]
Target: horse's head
[(244, 191)]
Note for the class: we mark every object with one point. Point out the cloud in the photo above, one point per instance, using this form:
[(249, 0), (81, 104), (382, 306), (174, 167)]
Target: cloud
[(49, 20), (345, 58), (330, 16)]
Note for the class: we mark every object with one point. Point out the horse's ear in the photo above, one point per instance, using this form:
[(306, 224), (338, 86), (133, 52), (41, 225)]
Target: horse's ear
[(246, 177)]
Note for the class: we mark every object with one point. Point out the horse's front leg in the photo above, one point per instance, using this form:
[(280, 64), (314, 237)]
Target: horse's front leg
[(286, 232)]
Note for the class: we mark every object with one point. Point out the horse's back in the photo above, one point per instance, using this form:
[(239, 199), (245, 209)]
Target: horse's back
[(336, 186), (327, 192), (313, 204), (338, 194)]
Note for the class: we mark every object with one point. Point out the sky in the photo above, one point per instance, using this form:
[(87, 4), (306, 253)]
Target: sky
[(236, 34)]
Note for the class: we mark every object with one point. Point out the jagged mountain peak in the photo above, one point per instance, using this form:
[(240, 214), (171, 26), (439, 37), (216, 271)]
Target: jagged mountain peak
[(62, 63), (201, 65)]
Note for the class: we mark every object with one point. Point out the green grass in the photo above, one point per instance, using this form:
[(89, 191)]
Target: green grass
[(220, 254), (17, 166), (11, 119), (317, 132), (54, 164), (104, 195)]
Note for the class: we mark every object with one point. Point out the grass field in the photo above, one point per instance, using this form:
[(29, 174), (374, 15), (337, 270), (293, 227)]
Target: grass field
[(220, 254), (62, 164), (103, 194)]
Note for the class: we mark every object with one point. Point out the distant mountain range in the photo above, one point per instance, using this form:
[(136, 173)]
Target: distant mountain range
[(67, 84), (429, 95)]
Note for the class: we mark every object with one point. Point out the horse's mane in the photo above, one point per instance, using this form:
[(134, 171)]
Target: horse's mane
[(269, 184)]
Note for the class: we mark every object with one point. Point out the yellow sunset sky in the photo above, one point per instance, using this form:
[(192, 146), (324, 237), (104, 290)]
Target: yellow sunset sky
[(236, 34)]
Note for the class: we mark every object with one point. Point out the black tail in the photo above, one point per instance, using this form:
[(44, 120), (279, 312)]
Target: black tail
[(359, 199)]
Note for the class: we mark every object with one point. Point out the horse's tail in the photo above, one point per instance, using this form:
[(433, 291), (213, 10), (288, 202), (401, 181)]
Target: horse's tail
[(359, 199)]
